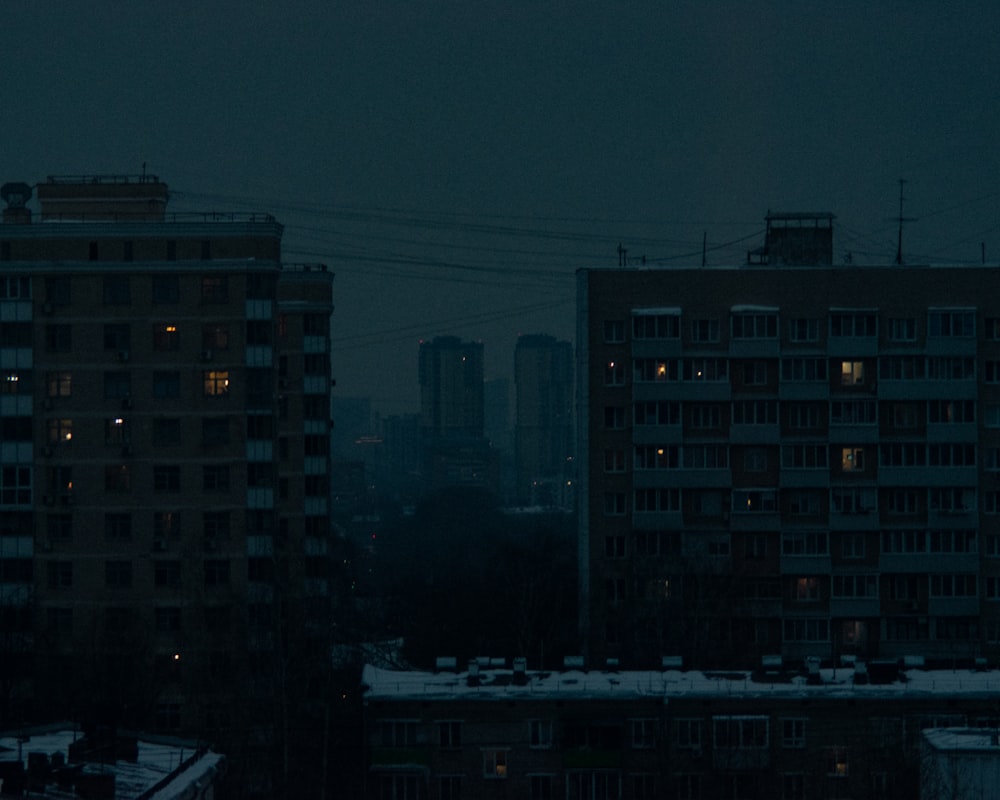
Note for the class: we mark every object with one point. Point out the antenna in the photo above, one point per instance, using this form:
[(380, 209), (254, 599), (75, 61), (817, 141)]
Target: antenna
[(901, 219)]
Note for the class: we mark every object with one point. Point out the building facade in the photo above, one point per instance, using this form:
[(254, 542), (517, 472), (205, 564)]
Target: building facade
[(798, 460), (165, 453), (543, 433), (493, 731)]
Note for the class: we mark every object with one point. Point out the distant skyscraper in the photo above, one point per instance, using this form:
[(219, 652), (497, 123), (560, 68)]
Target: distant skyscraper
[(543, 374), (451, 389)]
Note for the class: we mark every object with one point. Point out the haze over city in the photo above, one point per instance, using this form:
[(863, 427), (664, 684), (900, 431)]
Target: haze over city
[(454, 163)]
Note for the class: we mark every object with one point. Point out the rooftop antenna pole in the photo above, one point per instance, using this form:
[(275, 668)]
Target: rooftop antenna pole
[(901, 219)]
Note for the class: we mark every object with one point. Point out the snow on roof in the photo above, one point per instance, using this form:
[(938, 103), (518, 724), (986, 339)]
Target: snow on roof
[(672, 311), (164, 770), (962, 739), (498, 684)]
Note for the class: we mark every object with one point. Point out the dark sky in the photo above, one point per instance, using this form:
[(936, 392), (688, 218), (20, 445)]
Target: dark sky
[(455, 162)]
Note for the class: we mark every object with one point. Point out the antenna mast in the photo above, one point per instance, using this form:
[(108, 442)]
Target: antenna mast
[(901, 219)]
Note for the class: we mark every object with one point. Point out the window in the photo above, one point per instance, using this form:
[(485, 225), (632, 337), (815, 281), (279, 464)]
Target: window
[(58, 384), (644, 786), (614, 374), (952, 411), (852, 545), (664, 500), (755, 373), (853, 324), (793, 733), (650, 457), (60, 431), (540, 733), (755, 412), (117, 385), (166, 384), (166, 430), (805, 543), (793, 786), (852, 459), (855, 586), (755, 325), (705, 456), (806, 629), (706, 417), (901, 368), (59, 527), (902, 329), (806, 590), (853, 500), (117, 337), (852, 373), (951, 322), (117, 478), (215, 477), (803, 330), (215, 383), (117, 290), (689, 733), (58, 338), (804, 456), (688, 785), (166, 288), (656, 326), (804, 416), (167, 619), (118, 574), (803, 369), (957, 455), (705, 331), (118, 527), (803, 502), (58, 290), (215, 336), (166, 337), (167, 574), (755, 501), (953, 585), (853, 412), (215, 431), (215, 527), (214, 289), (614, 504), (658, 413), (614, 331), (614, 417), (655, 370), (705, 369), (739, 733), (614, 546), (216, 572), (755, 459), (60, 574), (952, 500), (166, 478), (450, 733), (494, 763), (945, 368), (643, 734), (836, 762)]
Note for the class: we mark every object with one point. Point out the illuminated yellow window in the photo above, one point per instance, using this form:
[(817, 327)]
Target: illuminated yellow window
[(216, 383), (852, 459), (852, 373), (60, 431), (494, 763)]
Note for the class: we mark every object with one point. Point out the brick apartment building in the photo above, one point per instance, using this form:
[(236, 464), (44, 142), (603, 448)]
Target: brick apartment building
[(789, 457), (164, 452)]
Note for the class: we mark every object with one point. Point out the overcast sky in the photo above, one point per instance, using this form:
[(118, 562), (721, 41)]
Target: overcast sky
[(455, 162)]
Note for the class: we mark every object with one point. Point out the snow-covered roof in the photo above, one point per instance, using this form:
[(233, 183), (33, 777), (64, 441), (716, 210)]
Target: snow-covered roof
[(166, 769), (951, 739), (661, 311), (500, 684)]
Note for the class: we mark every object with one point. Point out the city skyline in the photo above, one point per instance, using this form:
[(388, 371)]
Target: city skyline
[(454, 165)]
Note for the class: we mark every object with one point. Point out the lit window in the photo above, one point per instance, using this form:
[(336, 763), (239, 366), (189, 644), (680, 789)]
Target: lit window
[(836, 762), (165, 337), (60, 431), (852, 373), (852, 459), (807, 589), (494, 763), (216, 383)]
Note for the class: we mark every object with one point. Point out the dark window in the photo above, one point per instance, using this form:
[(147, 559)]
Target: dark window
[(117, 385), (116, 337), (92, 252), (59, 527), (167, 620), (127, 251), (215, 527), (214, 289), (171, 249), (166, 478), (118, 527), (58, 338), (259, 332), (117, 290), (166, 384), (117, 478), (60, 574), (216, 572), (215, 336), (166, 337), (215, 431), (118, 574), (166, 430), (166, 289), (215, 478)]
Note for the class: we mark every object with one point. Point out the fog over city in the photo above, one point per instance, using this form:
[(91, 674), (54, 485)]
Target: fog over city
[(454, 163)]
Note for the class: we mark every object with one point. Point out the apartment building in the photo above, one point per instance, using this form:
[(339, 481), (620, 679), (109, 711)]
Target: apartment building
[(164, 452), (497, 731), (789, 457)]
